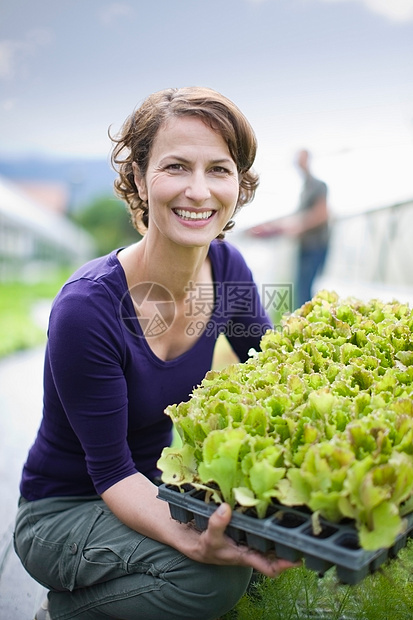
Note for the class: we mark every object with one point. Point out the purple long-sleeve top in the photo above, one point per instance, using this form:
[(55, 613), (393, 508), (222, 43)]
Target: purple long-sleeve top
[(105, 391)]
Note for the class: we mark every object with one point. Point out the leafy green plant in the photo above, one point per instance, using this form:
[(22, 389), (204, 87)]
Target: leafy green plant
[(322, 416), (299, 594)]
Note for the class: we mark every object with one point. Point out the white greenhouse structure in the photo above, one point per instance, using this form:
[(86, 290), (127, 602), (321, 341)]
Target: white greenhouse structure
[(34, 240)]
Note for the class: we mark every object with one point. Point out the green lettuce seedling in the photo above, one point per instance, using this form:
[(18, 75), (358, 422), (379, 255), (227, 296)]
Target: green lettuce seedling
[(321, 416)]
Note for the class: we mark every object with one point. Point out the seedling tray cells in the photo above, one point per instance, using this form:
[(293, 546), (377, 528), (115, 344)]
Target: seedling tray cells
[(289, 532)]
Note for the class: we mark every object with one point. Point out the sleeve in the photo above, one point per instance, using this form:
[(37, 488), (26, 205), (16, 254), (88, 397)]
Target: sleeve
[(246, 319), (86, 352)]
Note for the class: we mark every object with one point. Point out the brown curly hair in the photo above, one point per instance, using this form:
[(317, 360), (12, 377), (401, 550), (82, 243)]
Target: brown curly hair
[(134, 141)]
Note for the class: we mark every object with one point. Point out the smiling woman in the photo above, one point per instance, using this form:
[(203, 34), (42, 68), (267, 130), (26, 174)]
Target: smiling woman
[(129, 334), (186, 188)]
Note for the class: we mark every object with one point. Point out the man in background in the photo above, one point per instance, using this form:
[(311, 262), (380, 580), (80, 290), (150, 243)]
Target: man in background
[(309, 225)]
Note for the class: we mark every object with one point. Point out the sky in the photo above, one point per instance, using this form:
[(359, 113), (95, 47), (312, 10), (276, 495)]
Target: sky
[(332, 76)]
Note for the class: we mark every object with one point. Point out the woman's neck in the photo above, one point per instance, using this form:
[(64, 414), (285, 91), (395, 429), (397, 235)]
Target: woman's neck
[(172, 266)]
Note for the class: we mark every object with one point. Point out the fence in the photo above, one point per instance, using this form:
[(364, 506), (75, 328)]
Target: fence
[(371, 254)]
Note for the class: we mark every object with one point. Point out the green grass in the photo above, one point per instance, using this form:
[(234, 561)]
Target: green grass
[(299, 594), (18, 328)]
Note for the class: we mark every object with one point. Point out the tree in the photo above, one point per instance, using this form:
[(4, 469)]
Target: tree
[(107, 220)]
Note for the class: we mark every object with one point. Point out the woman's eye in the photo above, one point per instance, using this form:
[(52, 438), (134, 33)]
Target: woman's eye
[(220, 170), (174, 167)]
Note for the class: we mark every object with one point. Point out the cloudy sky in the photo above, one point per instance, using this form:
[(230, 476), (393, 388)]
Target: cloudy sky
[(335, 76)]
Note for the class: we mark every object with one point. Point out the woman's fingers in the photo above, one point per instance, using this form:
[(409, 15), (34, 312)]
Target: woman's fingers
[(217, 525), (216, 540), (269, 565)]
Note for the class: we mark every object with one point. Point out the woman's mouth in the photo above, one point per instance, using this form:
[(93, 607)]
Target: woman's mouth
[(193, 215)]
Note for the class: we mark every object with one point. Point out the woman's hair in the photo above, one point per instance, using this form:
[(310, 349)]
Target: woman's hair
[(134, 141)]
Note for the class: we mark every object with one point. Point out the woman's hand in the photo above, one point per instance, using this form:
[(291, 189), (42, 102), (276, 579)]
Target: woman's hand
[(215, 547), (134, 501)]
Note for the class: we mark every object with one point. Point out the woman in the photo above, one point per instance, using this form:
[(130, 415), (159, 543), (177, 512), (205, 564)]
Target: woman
[(129, 334)]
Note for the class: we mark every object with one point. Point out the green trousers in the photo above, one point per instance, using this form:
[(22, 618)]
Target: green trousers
[(95, 567)]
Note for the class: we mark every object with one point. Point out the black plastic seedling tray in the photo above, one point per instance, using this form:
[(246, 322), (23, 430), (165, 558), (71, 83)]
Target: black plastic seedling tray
[(289, 532)]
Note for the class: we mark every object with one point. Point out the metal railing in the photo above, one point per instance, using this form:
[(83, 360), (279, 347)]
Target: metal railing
[(372, 250)]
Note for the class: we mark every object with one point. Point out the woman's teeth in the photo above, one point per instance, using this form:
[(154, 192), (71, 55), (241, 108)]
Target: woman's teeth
[(193, 215)]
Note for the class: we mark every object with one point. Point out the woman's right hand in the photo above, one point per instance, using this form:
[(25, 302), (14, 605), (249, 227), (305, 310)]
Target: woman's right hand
[(215, 547), (151, 517)]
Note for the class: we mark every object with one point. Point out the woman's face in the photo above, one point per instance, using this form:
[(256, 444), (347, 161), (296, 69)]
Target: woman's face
[(191, 184)]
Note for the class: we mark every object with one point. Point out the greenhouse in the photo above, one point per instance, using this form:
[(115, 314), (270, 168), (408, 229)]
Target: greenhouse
[(34, 240)]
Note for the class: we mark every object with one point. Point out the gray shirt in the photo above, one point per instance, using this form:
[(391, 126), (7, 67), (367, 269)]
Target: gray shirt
[(313, 190)]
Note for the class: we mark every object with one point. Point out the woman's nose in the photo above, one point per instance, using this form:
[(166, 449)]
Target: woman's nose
[(198, 189)]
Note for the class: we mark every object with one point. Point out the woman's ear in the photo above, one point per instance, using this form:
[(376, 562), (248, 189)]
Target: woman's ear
[(139, 181)]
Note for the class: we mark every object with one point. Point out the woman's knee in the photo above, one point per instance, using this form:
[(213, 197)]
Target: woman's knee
[(213, 590)]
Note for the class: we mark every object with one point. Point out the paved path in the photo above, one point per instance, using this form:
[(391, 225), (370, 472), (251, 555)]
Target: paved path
[(20, 413)]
